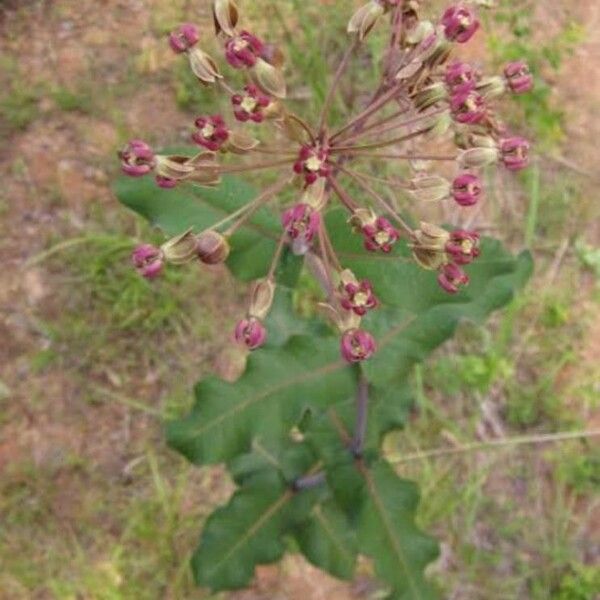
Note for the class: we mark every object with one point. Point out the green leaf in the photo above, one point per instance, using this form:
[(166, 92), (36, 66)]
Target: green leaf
[(282, 322), (248, 531), (176, 210), (380, 506), (388, 534), (328, 541), (278, 386), (251, 529)]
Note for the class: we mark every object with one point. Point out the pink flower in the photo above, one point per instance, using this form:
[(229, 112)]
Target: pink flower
[(467, 105), (301, 223), (251, 333), (460, 23), (212, 132), (137, 159), (451, 277), (243, 50), (379, 235), (458, 74), (463, 246), (166, 183), (312, 163), (358, 297), (518, 77), (250, 105), (514, 153), (148, 260), (357, 345), (183, 38), (466, 189)]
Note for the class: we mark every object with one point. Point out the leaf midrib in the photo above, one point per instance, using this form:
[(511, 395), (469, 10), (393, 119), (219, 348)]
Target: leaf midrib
[(387, 526), (237, 408), (270, 512)]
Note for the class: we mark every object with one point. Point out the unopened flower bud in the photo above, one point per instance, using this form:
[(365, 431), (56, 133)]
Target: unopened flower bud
[(212, 132), (420, 32), (301, 223), (514, 153), (270, 78), (343, 320), (240, 142), (205, 169), (430, 188), (243, 50), (463, 246), (430, 95), (379, 235), (251, 333), (363, 20), (203, 66), (474, 158), (357, 345), (184, 38), (452, 277), (148, 260), (429, 247), (466, 189), (173, 168), (460, 23), (467, 105), (261, 298), (137, 159), (491, 87), (212, 248), (225, 15), (518, 77), (180, 249), (315, 195)]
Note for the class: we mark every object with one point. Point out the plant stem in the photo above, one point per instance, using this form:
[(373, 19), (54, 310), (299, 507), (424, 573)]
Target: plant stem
[(379, 123), (373, 107), (318, 270), (251, 208), (367, 188), (401, 156), (330, 249), (277, 256), (494, 445), (334, 84), (383, 125), (342, 194), (309, 481), (375, 145), (256, 167), (405, 185), (362, 409), (397, 23)]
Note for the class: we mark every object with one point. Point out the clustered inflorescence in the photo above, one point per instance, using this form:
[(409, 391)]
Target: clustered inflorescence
[(423, 94)]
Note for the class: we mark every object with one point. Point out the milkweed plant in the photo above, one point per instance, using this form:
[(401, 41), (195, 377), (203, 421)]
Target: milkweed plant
[(301, 430)]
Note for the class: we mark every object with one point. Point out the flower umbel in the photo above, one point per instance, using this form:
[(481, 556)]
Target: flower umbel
[(423, 95)]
